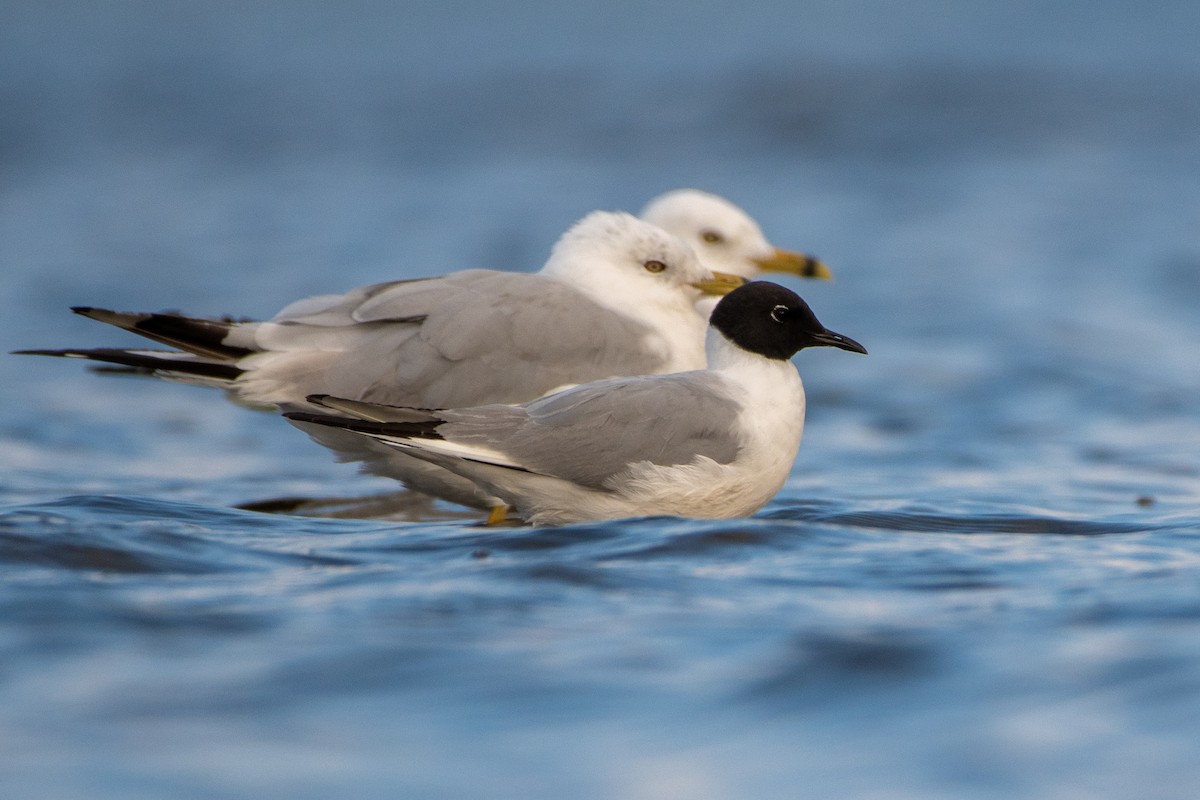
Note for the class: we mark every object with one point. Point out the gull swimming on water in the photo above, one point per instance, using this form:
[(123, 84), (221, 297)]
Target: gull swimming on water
[(711, 443), (616, 297)]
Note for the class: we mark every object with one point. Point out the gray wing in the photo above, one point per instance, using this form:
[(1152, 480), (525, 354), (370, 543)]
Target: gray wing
[(460, 340), (588, 435)]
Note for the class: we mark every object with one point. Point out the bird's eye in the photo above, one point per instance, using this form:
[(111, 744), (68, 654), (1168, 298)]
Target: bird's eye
[(654, 265), (780, 313), (711, 236)]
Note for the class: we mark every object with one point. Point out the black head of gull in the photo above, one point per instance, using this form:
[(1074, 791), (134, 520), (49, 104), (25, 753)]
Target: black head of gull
[(772, 321)]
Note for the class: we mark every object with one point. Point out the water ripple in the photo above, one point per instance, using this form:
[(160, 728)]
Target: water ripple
[(139, 536), (974, 522)]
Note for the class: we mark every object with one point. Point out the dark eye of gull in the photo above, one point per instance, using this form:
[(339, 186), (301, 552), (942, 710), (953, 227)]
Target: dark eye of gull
[(780, 313), (711, 236), (654, 265)]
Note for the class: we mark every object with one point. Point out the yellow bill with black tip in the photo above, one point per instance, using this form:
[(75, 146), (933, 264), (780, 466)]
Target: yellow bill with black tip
[(794, 263)]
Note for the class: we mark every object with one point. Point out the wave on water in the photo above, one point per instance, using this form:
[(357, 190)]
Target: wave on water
[(143, 536)]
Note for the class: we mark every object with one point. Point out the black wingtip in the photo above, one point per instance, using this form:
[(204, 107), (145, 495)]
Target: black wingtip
[(332, 421), (91, 312), (155, 361), (308, 416), (56, 353), (411, 430), (201, 337)]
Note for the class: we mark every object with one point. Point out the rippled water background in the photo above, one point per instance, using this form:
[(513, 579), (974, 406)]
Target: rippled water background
[(982, 580)]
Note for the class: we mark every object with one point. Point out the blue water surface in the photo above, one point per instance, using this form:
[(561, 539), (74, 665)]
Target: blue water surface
[(981, 580)]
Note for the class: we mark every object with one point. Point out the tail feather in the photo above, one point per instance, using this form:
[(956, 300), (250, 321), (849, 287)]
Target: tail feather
[(155, 361), (202, 337)]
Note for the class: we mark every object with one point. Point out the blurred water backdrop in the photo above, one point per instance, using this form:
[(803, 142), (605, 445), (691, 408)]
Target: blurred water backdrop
[(982, 580)]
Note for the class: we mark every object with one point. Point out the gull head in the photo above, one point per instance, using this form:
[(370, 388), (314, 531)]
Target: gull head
[(617, 257), (774, 322), (725, 237)]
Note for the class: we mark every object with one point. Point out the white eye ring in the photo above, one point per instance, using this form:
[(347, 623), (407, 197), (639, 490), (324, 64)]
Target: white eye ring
[(780, 313), (654, 265)]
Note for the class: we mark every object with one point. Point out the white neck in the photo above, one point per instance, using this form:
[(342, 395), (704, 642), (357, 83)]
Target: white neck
[(725, 356), (772, 386)]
